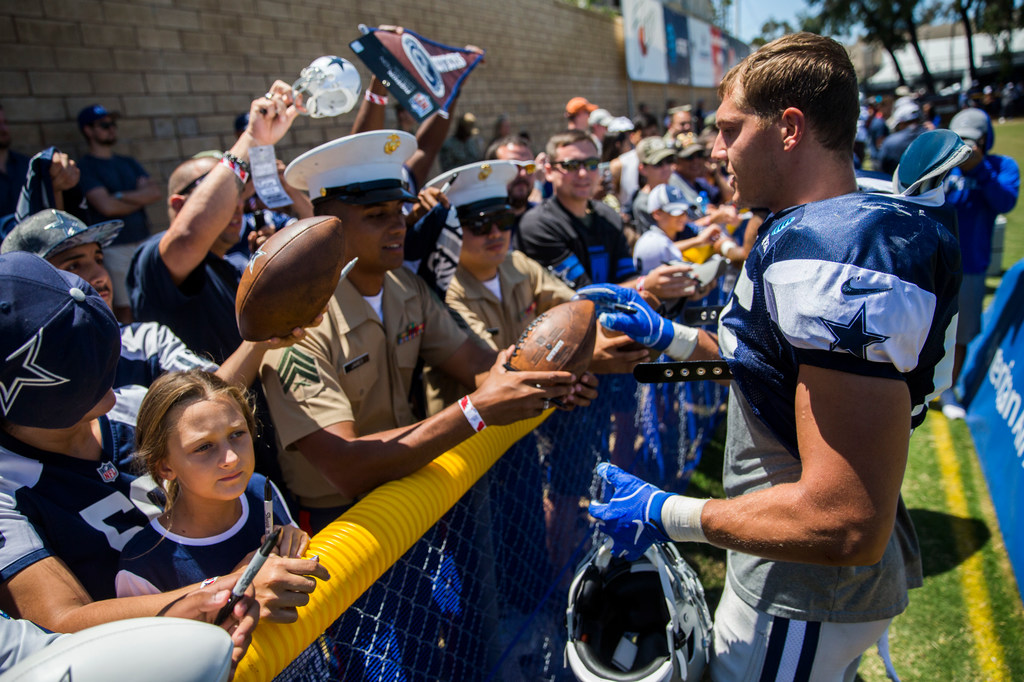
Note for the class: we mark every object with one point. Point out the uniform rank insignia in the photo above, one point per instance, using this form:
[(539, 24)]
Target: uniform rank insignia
[(296, 369), (410, 333), (528, 310), (108, 472)]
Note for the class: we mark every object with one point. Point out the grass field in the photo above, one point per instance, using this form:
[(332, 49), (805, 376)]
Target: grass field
[(967, 622)]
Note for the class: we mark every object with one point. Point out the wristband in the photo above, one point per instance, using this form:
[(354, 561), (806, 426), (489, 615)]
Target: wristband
[(725, 246), (475, 420), (237, 166), (640, 284), (374, 98), (680, 517), (208, 581)]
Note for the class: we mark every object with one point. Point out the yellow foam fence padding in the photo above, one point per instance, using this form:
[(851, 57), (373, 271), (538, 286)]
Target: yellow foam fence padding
[(371, 536)]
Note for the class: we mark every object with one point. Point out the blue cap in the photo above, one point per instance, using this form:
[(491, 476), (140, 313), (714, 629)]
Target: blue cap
[(667, 198), (59, 343), (93, 113), (50, 232)]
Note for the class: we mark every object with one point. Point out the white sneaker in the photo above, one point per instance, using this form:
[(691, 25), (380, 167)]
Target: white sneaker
[(951, 408)]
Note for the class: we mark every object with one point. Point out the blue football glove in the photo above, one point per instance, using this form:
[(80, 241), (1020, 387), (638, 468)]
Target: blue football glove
[(624, 310), (632, 517)]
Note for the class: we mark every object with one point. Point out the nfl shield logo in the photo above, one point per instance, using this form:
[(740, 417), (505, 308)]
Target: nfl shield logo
[(108, 472)]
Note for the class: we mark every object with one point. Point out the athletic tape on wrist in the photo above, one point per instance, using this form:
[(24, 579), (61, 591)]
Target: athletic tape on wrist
[(374, 98), (680, 517), (684, 340)]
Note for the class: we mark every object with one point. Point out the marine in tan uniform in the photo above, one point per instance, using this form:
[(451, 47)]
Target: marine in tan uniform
[(340, 397), (499, 292)]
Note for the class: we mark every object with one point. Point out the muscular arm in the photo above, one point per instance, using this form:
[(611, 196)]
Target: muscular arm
[(842, 509)]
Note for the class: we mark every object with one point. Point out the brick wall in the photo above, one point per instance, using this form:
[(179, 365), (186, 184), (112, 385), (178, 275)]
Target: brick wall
[(179, 71)]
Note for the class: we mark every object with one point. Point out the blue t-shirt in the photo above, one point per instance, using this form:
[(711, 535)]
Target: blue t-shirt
[(872, 294), (82, 512), (158, 560), (201, 312), (117, 174)]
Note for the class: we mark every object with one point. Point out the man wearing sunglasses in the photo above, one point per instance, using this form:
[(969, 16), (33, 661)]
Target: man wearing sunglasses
[(582, 240), (114, 186)]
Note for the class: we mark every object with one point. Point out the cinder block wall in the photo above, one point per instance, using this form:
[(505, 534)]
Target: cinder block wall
[(179, 71)]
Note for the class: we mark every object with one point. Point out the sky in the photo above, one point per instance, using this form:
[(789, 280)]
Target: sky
[(754, 13)]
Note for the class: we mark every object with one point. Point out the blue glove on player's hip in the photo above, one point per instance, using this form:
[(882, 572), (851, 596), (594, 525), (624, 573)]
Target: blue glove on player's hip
[(632, 516), (624, 310)]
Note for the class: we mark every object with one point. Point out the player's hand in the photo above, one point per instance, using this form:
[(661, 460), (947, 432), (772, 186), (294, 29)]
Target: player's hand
[(624, 310), (506, 396), (632, 515), (272, 115), (64, 173), (292, 543), (206, 602), (670, 281), (284, 584)]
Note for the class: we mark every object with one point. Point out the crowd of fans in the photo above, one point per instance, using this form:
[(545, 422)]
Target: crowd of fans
[(146, 418)]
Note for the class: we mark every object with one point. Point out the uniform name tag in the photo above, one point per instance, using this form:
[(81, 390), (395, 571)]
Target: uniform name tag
[(356, 363)]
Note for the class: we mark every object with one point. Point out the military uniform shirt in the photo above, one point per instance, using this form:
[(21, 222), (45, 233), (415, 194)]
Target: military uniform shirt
[(353, 367)]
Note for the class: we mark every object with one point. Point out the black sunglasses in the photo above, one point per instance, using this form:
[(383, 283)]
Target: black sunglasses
[(106, 125), (481, 226), (574, 165), (187, 189)]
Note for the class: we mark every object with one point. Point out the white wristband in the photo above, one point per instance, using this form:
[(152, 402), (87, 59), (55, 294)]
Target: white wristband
[(684, 340), (724, 247), (680, 517), (475, 420)]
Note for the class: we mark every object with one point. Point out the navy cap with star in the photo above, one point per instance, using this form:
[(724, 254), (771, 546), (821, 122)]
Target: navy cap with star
[(59, 344)]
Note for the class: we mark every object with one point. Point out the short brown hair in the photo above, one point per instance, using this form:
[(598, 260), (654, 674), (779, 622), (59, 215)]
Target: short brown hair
[(564, 139), (153, 427), (803, 70)]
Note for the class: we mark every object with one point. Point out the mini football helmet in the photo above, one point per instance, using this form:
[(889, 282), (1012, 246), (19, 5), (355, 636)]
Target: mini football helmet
[(329, 87), (644, 620)]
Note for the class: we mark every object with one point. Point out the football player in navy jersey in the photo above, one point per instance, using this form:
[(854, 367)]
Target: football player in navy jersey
[(836, 335)]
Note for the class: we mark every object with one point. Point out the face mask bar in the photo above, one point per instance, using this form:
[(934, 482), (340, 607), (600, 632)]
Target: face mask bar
[(329, 87)]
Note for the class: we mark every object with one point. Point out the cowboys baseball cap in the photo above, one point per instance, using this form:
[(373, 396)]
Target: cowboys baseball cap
[(653, 150), (93, 113), (50, 232), (689, 150), (667, 198), (578, 104), (59, 340), (478, 188), (905, 112), (620, 124), (365, 168), (970, 124)]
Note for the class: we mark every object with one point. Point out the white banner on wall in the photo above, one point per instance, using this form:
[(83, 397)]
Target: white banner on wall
[(643, 28), (702, 65)]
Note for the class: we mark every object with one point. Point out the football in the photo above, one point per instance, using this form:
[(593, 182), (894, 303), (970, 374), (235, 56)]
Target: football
[(562, 339), (290, 278), (138, 648)]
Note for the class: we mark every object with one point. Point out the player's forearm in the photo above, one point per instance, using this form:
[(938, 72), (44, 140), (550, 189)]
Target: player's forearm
[(785, 523), (371, 115), (76, 617)]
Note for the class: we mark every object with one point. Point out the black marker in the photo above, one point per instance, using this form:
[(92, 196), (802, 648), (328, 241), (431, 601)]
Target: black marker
[(255, 564), (623, 308)]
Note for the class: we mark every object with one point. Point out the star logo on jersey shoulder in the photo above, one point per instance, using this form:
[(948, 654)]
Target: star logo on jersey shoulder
[(852, 336), (28, 373)]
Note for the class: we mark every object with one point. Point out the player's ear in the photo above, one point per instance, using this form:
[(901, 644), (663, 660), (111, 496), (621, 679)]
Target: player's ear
[(792, 126)]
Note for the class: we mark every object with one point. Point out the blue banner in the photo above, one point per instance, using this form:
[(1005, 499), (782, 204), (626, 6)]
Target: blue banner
[(992, 383)]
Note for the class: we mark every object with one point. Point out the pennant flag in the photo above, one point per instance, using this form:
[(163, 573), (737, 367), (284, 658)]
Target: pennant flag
[(424, 76), (37, 192)]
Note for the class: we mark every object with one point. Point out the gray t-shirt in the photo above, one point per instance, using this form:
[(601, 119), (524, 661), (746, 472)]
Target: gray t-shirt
[(754, 460)]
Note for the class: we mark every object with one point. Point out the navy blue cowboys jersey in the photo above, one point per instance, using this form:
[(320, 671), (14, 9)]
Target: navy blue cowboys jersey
[(158, 559), (859, 283), (83, 512)]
